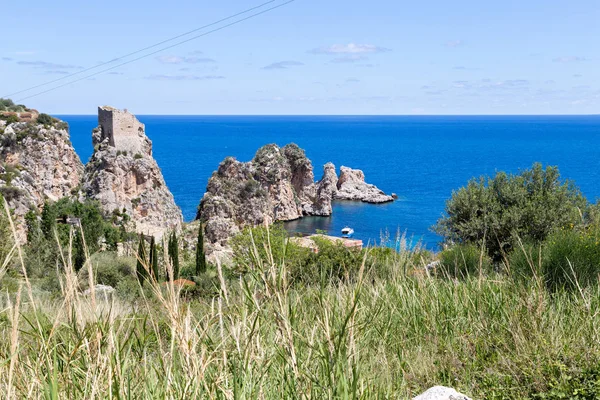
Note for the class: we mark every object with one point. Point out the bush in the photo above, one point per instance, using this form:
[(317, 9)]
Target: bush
[(109, 269), (524, 262), (496, 211), (10, 119), (462, 261), (572, 258), (46, 120)]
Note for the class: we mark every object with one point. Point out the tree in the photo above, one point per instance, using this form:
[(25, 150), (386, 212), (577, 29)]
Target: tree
[(200, 255), (174, 254), (78, 251), (154, 259), (48, 224), (494, 212), (142, 262), (33, 226)]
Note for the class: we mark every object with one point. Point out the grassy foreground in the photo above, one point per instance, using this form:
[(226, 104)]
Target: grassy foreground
[(365, 337)]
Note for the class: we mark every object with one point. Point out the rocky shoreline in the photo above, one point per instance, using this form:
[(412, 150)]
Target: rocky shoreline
[(38, 163)]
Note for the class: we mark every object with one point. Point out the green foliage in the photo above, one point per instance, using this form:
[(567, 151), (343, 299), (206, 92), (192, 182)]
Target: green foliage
[(173, 251), (10, 119), (48, 224), (154, 259), (462, 261), (525, 262), (79, 255), (572, 259), (9, 105), (257, 246), (6, 236), (200, 255), (497, 211), (46, 120), (142, 261), (109, 269)]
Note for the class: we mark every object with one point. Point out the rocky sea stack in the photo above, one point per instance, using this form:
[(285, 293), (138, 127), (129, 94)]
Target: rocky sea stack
[(276, 185), (122, 175)]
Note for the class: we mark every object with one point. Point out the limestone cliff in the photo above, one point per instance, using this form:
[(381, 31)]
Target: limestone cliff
[(277, 185), (37, 163), (123, 175)]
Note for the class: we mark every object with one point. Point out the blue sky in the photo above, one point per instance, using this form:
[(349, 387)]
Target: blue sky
[(311, 57)]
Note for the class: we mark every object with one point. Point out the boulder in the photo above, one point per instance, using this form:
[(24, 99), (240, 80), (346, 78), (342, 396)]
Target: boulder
[(103, 291), (441, 393), (352, 186)]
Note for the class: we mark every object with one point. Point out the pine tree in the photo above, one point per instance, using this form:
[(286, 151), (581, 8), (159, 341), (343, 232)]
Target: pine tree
[(141, 260), (33, 226), (48, 221), (154, 259), (200, 256), (79, 252), (174, 254)]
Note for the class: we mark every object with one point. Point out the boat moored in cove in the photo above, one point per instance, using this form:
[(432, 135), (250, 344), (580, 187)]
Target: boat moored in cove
[(347, 232)]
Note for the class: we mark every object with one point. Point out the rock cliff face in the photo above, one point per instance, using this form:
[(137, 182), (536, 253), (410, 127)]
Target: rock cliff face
[(123, 175), (277, 185), (37, 162), (352, 186)]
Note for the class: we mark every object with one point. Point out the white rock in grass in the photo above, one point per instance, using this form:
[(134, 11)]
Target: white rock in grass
[(101, 290), (441, 393)]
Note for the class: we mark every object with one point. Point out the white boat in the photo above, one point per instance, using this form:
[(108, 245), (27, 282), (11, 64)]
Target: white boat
[(347, 232)]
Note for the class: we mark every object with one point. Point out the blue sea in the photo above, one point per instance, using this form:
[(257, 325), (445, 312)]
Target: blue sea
[(420, 158)]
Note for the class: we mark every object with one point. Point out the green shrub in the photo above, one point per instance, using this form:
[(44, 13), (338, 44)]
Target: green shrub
[(496, 211), (10, 119), (109, 269), (46, 120), (572, 258), (462, 261), (524, 262)]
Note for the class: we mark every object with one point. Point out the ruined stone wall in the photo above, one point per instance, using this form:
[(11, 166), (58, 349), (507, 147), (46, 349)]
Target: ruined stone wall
[(123, 130)]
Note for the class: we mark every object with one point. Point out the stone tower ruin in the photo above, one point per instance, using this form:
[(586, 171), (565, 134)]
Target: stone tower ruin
[(123, 130)]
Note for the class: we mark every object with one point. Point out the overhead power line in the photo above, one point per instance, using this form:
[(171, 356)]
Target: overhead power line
[(151, 47)]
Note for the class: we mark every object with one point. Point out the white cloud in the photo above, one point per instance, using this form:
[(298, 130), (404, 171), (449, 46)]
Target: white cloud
[(569, 59), (183, 60), (283, 65), (48, 65), (350, 48), (455, 43), (351, 58), (158, 77)]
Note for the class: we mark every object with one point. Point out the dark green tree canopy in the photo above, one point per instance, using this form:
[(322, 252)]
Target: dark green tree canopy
[(495, 211)]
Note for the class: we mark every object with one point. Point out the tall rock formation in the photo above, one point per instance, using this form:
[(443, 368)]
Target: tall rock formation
[(277, 185), (37, 163), (122, 174), (352, 186)]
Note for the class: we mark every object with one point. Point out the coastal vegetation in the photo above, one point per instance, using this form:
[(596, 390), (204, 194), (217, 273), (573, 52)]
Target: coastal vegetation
[(507, 309)]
